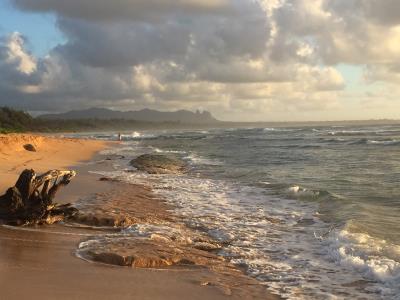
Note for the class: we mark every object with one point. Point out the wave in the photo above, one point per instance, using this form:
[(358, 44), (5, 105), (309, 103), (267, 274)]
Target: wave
[(350, 132), (280, 129), (270, 232), (193, 136), (375, 259), (299, 146), (375, 142), (333, 140), (365, 132), (297, 192), (199, 160), (271, 237), (302, 193), (158, 150), (385, 143), (137, 136)]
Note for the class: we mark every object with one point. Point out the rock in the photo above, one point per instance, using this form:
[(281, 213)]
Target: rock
[(207, 246), (145, 253), (106, 179), (102, 220), (159, 164), (159, 237), (30, 147), (111, 258)]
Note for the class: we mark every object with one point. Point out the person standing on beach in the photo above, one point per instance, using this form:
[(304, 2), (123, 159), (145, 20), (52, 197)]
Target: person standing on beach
[(119, 136)]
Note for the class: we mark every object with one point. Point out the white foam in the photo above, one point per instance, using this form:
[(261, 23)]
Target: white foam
[(281, 129), (262, 232), (199, 160), (298, 192), (158, 150), (281, 241), (136, 135), (375, 259), (385, 143), (295, 189)]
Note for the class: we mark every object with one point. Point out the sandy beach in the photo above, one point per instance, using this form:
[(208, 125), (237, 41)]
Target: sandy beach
[(51, 153), (41, 262)]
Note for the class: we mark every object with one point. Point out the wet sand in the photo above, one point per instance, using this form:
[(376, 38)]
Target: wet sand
[(41, 262), (37, 265)]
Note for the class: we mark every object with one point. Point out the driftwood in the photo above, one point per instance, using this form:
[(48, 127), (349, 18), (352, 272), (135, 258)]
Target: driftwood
[(30, 201)]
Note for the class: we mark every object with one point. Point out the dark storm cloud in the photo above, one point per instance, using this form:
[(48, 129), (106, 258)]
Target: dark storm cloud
[(122, 44), (106, 10)]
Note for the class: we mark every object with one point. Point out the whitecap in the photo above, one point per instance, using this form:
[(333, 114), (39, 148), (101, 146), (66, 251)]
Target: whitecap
[(199, 160), (374, 259), (384, 142)]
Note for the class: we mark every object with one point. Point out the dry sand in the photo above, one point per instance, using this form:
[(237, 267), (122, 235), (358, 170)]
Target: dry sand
[(52, 153), (40, 263)]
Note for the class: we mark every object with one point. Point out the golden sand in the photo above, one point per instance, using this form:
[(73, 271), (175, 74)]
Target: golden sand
[(51, 153)]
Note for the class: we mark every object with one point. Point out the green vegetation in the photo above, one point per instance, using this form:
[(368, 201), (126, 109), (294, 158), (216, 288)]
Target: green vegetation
[(17, 121), (14, 121)]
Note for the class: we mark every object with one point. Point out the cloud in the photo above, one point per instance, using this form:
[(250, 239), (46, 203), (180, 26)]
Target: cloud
[(122, 44), (15, 54), (105, 10), (18, 68), (242, 58)]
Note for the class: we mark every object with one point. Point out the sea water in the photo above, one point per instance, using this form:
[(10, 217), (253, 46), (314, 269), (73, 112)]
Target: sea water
[(312, 213)]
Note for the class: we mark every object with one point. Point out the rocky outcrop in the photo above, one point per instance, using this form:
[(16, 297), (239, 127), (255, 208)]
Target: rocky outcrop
[(30, 201), (161, 252), (159, 164), (103, 220), (146, 253)]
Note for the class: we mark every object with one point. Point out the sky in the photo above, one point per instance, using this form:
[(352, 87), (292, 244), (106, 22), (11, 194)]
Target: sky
[(242, 60)]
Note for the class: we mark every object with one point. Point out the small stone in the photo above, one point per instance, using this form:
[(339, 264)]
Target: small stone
[(29, 147), (160, 238), (206, 246)]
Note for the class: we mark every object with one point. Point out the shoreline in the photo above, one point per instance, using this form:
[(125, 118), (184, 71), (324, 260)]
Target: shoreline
[(44, 259)]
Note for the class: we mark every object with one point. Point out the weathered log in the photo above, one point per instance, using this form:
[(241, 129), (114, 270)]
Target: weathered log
[(30, 201)]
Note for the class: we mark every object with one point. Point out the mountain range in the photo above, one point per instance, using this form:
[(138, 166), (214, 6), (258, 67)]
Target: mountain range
[(144, 115)]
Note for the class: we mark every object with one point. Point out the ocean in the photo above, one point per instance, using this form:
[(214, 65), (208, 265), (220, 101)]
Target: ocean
[(311, 212)]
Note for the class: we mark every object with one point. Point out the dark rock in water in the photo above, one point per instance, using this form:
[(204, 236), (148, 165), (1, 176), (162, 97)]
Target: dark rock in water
[(103, 220), (107, 179), (30, 147), (30, 201), (159, 164)]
